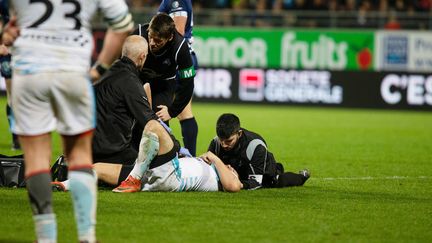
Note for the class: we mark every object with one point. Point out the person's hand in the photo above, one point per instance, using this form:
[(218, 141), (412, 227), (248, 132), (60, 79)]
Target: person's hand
[(3, 50), (10, 32), (94, 75), (163, 113), (208, 157)]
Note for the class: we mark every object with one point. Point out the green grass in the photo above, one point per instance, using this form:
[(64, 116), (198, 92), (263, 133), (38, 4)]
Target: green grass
[(332, 143)]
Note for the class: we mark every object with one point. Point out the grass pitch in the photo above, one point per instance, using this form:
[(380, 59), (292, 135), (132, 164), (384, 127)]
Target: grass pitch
[(371, 182)]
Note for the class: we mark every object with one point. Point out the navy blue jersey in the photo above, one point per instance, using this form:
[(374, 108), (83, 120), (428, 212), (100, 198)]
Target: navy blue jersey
[(172, 62), (179, 8)]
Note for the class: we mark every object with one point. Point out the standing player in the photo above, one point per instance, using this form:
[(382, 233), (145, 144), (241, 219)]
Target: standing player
[(169, 56), (51, 90), (182, 14)]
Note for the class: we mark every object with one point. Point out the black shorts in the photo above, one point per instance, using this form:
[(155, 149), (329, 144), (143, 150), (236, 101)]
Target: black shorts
[(165, 97), (125, 157)]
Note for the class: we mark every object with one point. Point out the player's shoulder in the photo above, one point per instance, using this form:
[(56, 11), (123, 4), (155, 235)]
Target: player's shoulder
[(180, 42), (250, 135), (113, 10)]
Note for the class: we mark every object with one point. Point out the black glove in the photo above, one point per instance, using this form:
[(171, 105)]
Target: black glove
[(6, 70)]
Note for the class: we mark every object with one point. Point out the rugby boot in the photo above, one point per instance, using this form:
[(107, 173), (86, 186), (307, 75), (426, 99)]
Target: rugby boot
[(129, 185)]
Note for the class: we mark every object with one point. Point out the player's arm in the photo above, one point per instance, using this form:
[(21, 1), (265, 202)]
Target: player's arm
[(227, 176), (185, 86), (119, 28), (179, 17), (110, 52), (10, 32), (212, 146), (256, 169), (180, 22)]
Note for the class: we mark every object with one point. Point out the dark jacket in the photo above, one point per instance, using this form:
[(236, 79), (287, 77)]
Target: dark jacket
[(171, 62), (120, 102), (251, 159)]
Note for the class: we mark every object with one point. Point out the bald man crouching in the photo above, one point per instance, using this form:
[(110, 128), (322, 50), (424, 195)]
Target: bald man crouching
[(120, 103)]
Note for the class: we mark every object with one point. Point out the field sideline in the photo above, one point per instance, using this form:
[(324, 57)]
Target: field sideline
[(371, 182)]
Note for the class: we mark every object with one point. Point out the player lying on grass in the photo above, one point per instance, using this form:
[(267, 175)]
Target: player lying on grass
[(121, 101), (158, 168), (247, 153)]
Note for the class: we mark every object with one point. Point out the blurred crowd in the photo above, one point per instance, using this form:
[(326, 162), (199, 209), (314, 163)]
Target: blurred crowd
[(331, 5), (388, 14)]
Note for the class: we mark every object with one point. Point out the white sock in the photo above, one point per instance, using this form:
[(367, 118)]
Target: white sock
[(83, 187), (46, 228), (66, 184), (148, 149)]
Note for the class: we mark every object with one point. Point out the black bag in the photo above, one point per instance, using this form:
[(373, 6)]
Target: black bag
[(59, 170), (12, 171)]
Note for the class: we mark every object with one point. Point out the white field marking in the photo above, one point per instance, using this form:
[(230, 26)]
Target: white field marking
[(373, 178)]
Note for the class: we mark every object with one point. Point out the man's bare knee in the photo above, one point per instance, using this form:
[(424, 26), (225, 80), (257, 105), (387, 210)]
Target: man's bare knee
[(165, 141), (155, 127), (152, 126)]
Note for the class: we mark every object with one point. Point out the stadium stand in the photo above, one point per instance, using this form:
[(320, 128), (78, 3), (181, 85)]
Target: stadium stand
[(374, 14)]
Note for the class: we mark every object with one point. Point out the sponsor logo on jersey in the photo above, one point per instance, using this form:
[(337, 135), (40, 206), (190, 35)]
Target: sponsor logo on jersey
[(175, 4), (57, 39), (166, 62)]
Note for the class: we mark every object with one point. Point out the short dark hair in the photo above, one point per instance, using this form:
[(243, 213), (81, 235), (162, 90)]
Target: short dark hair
[(162, 25), (226, 125)]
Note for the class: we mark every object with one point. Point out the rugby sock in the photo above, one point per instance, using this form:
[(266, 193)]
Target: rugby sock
[(66, 184), (189, 129), (83, 190), (46, 228), (40, 195), (290, 179), (149, 148), (124, 172)]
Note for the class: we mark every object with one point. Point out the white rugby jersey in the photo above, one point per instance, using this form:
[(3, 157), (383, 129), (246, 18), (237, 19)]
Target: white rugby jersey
[(56, 34), (184, 174)]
